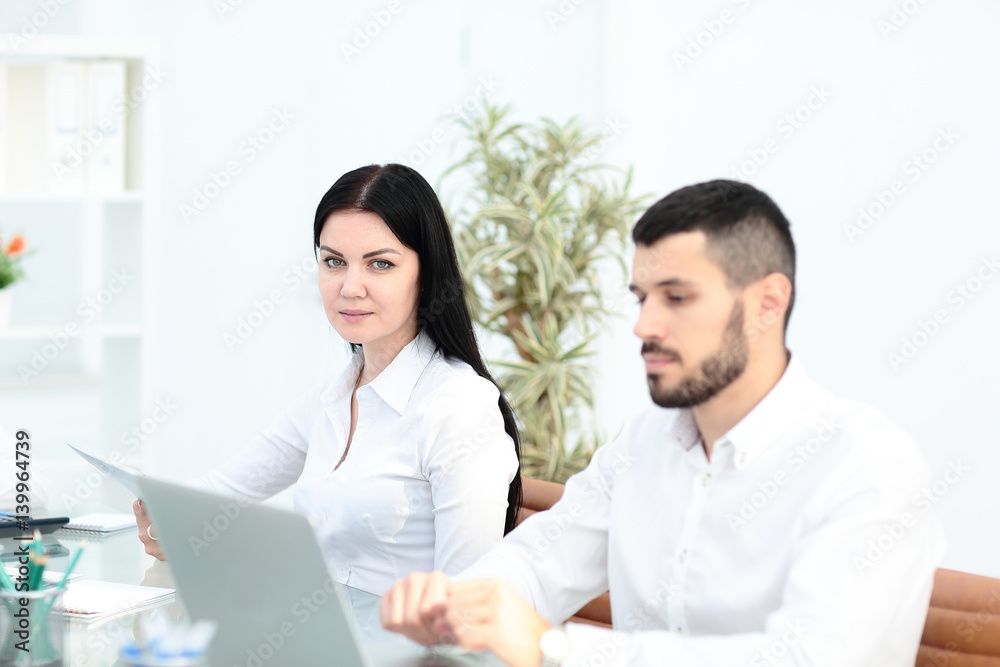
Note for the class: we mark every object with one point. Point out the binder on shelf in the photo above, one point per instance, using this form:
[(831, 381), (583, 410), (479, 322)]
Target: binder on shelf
[(105, 165), (65, 120), (45, 128), (3, 128)]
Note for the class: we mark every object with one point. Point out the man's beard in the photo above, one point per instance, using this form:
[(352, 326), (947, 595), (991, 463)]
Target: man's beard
[(715, 373)]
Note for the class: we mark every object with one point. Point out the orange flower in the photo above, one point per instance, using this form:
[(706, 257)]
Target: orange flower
[(16, 246)]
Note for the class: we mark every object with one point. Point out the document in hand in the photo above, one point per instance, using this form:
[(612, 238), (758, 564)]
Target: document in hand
[(122, 474)]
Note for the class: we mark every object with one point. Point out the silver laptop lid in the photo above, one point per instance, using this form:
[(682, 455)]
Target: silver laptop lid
[(258, 571)]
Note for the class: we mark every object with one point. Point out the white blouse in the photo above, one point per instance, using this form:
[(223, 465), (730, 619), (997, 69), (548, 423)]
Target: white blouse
[(424, 485)]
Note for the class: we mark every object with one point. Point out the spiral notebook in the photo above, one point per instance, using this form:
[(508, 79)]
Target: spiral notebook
[(101, 523), (92, 599)]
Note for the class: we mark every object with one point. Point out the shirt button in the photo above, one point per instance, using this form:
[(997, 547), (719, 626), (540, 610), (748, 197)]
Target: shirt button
[(679, 630), (682, 555), (706, 479), (742, 458)]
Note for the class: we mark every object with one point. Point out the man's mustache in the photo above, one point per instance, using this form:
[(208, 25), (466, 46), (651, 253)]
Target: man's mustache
[(651, 347)]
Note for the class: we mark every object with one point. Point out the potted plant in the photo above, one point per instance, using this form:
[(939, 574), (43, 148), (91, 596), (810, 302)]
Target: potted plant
[(537, 232), (11, 256)]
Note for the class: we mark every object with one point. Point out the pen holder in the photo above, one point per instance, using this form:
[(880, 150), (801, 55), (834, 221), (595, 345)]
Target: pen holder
[(31, 633)]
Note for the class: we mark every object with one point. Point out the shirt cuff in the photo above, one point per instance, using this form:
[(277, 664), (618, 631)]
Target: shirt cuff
[(587, 642)]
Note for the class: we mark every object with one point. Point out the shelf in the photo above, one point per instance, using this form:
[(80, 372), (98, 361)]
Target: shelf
[(87, 381), (127, 196), (102, 381), (14, 47), (102, 331)]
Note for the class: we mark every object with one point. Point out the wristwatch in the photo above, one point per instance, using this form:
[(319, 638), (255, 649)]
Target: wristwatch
[(554, 646)]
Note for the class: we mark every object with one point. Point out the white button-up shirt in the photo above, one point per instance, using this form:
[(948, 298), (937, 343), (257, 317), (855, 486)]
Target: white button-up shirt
[(424, 485), (807, 539)]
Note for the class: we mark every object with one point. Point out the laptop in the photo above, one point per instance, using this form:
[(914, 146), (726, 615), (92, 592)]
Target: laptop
[(259, 572)]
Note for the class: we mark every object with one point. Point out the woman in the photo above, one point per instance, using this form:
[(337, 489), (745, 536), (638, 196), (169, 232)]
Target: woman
[(409, 461)]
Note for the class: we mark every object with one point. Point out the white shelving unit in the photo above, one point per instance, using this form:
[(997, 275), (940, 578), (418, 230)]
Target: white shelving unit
[(93, 387)]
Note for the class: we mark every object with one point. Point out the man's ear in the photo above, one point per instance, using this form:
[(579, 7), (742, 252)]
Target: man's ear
[(768, 304)]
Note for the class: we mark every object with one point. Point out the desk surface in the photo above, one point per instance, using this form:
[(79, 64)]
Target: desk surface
[(120, 558)]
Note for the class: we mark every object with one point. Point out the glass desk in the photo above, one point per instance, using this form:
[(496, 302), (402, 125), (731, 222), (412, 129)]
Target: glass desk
[(120, 558)]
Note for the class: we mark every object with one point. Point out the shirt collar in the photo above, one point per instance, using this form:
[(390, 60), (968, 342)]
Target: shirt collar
[(772, 416), (761, 426), (396, 381)]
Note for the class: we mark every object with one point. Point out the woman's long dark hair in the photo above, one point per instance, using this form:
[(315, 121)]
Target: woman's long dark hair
[(410, 208)]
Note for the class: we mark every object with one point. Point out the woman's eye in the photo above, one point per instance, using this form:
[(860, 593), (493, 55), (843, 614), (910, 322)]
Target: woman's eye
[(382, 264), (675, 298), (333, 262)]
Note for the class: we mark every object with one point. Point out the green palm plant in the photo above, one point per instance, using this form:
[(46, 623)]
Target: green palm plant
[(532, 234)]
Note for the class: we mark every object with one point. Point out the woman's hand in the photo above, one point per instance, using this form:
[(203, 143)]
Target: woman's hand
[(146, 533), (415, 607)]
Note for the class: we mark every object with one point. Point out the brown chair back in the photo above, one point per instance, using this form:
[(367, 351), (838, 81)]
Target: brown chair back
[(539, 496), (963, 622)]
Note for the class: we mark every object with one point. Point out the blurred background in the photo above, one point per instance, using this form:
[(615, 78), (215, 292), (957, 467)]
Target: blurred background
[(169, 318)]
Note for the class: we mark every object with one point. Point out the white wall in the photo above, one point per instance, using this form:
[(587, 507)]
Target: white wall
[(606, 61), (856, 300)]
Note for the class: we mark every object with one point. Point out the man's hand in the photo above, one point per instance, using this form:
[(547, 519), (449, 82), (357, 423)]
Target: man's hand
[(146, 532), (480, 614), (489, 614), (415, 607)]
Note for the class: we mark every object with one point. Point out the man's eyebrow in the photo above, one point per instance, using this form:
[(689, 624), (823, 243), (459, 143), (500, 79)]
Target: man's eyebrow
[(383, 251), (669, 282)]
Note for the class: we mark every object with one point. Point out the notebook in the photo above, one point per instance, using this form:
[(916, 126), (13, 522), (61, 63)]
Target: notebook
[(92, 599), (101, 523), (48, 576)]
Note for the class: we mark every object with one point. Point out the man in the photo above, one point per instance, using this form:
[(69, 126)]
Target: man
[(750, 519)]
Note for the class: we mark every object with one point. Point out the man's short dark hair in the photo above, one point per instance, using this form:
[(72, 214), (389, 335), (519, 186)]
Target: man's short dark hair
[(748, 235)]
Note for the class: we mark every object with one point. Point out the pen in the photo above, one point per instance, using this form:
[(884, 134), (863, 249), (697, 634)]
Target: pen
[(36, 568), (72, 564)]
